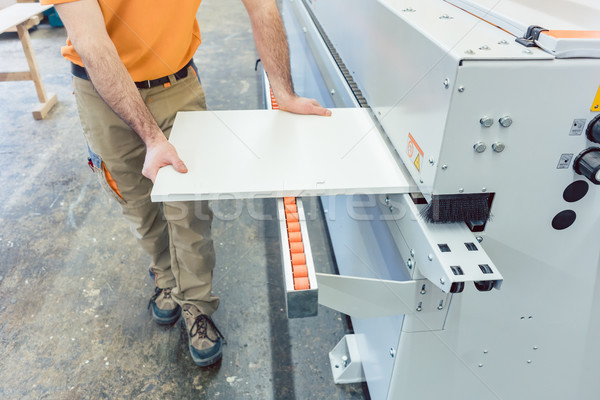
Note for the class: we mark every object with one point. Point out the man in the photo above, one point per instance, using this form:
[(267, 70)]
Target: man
[(133, 71)]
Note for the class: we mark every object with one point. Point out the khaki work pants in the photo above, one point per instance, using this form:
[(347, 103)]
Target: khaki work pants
[(177, 235)]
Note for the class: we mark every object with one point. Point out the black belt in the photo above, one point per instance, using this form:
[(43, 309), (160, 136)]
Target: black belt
[(80, 72)]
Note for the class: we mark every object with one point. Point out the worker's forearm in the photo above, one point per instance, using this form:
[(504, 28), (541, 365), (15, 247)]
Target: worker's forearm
[(114, 84), (272, 46), (85, 26)]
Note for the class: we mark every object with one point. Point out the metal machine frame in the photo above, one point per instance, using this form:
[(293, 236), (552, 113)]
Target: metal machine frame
[(488, 115)]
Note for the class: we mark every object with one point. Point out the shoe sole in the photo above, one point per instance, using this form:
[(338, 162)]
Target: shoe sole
[(166, 321), (206, 362)]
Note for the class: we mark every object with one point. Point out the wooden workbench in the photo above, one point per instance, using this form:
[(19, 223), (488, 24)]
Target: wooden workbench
[(23, 16)]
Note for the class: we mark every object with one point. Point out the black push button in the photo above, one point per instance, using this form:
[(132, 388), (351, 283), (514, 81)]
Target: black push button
[(563, 219), (576, 191)]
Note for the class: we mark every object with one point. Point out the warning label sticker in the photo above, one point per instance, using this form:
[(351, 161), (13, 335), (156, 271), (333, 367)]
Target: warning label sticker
[(596, 103), (417, 162), (414, 152)]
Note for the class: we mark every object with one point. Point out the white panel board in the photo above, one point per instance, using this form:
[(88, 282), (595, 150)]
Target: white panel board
[(271, 153)]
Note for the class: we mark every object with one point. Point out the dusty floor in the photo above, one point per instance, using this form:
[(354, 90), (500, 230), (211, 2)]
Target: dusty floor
[(74, 288)]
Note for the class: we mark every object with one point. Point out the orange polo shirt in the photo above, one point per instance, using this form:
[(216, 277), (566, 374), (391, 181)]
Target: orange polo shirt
[(154, 38)]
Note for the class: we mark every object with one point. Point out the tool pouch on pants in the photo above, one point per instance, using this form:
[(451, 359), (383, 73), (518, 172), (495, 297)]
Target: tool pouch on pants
[(106, 181)]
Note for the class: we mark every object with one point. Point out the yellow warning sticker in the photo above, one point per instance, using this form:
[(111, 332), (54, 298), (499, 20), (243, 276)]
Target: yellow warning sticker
[(415, 156), (596, 103), (417, 162)]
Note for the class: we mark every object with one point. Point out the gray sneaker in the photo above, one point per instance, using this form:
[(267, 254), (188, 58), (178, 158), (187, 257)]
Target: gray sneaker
[(205, 339), (164, 309)]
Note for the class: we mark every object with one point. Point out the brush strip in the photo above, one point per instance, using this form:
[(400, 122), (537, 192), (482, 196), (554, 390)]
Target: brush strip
[(457, 208)]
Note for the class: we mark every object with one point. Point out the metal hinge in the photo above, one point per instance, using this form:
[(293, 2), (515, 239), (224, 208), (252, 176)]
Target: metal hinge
[(532, 34)]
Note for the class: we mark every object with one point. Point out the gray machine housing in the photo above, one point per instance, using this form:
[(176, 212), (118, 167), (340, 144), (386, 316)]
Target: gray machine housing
[(436, 76)]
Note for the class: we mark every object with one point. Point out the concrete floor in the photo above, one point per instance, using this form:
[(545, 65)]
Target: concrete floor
[(74, 287)]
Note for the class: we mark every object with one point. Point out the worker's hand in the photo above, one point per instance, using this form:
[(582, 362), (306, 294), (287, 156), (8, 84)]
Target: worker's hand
[(158, 155), (302, 105)]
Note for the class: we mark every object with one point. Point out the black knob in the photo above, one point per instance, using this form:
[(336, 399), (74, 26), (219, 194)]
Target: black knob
[(593, 130), (587, 164)]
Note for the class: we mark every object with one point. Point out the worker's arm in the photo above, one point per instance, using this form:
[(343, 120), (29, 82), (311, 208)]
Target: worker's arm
[(272, 46), (85, 27)]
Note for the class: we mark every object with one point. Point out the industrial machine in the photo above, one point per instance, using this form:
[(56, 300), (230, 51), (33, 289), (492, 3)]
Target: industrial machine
[(474, 101), (470, 264)]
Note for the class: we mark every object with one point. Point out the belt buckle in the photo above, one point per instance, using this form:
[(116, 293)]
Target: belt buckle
[(148, 84)]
